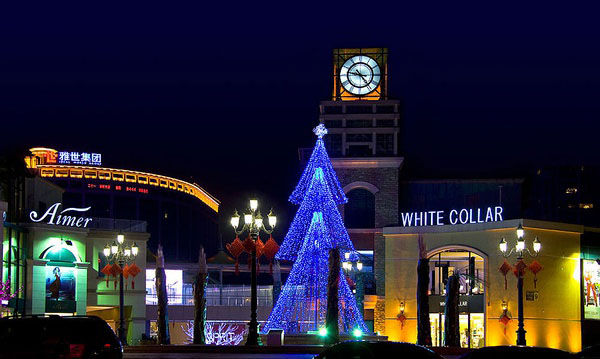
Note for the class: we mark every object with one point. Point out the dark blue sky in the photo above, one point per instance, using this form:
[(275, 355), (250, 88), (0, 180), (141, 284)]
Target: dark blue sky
[(227, 93)]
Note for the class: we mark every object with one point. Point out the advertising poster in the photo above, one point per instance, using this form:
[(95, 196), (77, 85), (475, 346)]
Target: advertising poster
[(60, 283), (174, 286), (591, 288)]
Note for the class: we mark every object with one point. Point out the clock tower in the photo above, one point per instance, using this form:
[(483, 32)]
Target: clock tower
[(364, 124)]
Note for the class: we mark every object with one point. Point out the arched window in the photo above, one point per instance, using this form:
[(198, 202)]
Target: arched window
[(359, 212), (469, 265)]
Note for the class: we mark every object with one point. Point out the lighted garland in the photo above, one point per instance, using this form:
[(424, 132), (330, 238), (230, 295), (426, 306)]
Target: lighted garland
[(302, 304), (318, 198), (319, 158), (316, 228)]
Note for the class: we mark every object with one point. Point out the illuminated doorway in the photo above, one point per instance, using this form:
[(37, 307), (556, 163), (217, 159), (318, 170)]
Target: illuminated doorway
[(469, 265)]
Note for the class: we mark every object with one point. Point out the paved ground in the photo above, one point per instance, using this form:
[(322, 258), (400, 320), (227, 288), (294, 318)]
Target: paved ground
[(215, 356)]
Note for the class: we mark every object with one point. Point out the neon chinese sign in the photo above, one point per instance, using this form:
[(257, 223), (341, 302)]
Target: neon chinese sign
[(455, 216), (62, 219), (79, 158)]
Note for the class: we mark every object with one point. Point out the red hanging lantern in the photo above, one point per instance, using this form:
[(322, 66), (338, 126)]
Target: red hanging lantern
[(260, 247), (519, 269), (107, 272), (248, 245), (504, 319), (235, 248), (402, 318), (115, 270), (270, 250), (535, 267), (126, 274), (133, 271), (504, 269)]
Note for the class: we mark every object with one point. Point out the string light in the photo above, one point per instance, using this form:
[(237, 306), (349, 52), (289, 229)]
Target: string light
[(316, 228), (319, 158)]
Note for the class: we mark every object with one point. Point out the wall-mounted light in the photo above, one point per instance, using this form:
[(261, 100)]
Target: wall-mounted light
[(504, 305)]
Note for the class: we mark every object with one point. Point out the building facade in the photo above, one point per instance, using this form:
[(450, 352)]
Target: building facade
[(552, 306), (182, 216), (53, 259)]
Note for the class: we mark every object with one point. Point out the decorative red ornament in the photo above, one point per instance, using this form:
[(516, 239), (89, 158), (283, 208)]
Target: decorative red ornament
[(115, 270), (402, 318), (535, 267), (235, 248), (260, 247), (107, 272), (126, 274), (504, 269), (271, 248), (248, 244), (504, 319), (133, 271), (519, 269)]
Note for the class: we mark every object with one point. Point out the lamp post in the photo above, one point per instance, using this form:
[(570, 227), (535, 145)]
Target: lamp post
[(253, 223), (519, 250), (120, 253)]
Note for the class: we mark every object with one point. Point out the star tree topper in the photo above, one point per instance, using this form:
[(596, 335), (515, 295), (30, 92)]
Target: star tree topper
[(320, 130)]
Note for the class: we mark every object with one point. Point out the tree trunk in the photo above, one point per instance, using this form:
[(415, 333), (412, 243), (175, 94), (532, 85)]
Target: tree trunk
[(161, 291), (200, 299), (331, 321), (276, 281), (423, 326), (451, 326)]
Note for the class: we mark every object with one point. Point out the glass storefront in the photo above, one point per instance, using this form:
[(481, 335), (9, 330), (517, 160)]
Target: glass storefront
[(471, 326), (469, 267)]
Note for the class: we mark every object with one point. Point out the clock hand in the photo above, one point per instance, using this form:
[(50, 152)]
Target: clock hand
[(361, 76)]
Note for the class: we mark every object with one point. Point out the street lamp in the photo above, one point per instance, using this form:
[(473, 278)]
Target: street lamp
[(121, 253), (253, 223), (519, 249), (357, 267)]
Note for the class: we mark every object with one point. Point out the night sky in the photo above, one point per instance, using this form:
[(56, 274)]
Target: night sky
[(225, 94)]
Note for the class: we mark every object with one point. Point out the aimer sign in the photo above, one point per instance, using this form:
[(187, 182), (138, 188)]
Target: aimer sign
[(455, 216), (62, 219)]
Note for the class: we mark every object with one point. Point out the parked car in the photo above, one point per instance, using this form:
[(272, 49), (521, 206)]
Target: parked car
[(517, 352), (58, 337), (356, 349)]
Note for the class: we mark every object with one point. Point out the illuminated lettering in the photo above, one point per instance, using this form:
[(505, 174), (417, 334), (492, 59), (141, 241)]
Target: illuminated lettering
[(453, 216), (440, 218), (456, 216), (53, 217)]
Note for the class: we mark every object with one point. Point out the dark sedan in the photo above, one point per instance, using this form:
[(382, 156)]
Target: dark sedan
[(58, 337)]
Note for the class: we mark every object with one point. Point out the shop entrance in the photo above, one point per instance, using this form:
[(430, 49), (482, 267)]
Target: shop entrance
[(471, 329), (469, 266)]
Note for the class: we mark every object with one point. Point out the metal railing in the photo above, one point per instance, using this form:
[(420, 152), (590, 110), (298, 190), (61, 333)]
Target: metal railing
[(227, 295)]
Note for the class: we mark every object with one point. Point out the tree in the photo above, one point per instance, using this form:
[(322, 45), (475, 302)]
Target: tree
[(423, 326), (200, 299), (161, 292), (316, 229), (451, 314)]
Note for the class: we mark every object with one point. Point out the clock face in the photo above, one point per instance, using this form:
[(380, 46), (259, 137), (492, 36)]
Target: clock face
[(360, 75)]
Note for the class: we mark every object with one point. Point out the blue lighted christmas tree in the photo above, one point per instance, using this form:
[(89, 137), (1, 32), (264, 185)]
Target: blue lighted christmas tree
[(316, 228)]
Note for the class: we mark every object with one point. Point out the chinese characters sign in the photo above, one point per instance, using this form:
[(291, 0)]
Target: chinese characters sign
[(79, 158)]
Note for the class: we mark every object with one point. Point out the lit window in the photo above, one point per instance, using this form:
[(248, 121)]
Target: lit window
[(571, 190), (586, 205)]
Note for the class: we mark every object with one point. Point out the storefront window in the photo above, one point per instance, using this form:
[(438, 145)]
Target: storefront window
[(469, 267)]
